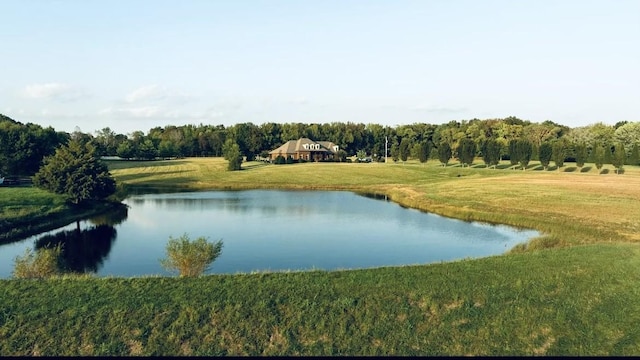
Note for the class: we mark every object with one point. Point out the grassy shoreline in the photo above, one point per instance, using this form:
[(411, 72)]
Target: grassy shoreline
[(28, 211), (571, 292)]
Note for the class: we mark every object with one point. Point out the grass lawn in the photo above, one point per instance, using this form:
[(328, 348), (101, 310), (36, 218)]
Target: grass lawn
[(573, 291)]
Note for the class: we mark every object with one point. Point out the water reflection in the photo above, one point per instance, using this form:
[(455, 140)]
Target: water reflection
[(85, 250)]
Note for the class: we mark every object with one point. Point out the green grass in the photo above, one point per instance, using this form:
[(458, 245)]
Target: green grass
[(573, 291), (553, 302)]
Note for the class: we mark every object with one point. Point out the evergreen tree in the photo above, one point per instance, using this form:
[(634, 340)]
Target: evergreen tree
[(634, 157), (75, 171), (444, 153), (545, 153), (403, 150), (491, 152), (559, 154), (423, 152), (466, 151), (598, 156), (619, 157), (232, 153), (513, 153), (523, 152), (581, 154)]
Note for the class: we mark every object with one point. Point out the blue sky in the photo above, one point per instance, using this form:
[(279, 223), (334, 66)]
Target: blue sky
[(136, 64)]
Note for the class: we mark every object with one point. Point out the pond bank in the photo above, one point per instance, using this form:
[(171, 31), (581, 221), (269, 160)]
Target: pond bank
[(15, 229)]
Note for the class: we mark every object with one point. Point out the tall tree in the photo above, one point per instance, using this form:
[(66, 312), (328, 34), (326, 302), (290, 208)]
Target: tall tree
[(444, 153), (523, 151), (545, 153), (513, 153), (619, 157), (233, 155), (466, 151), (581, 154), (76, 171), (559, 154), (403, 150), (491, 152), (423, 151), (598, 155), (634, 157)]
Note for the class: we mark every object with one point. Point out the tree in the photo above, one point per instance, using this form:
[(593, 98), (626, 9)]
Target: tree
[(491, 152), (126, 149), (232, 153), (147, 150), (523, 153), (559, 154), (403, 150), (513, 153), (361, 155), (619, 157), (545, 153), (190, 258), (598, 156), (581, 154), (444, 153), (423, 151), (466, 151), (75, 171), (634, 157)]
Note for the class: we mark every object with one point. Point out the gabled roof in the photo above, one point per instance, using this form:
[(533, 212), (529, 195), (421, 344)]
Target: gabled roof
[(293, 146)]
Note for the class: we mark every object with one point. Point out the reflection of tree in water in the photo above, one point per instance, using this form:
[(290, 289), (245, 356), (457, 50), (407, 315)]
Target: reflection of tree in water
[(113, 218), (84, 250)]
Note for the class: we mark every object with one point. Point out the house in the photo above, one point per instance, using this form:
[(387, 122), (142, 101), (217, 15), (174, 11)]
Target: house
[(306, 149)]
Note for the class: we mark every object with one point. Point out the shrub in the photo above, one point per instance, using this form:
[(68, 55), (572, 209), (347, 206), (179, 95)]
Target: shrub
[(190, 258), (280, 160), (40, 264)]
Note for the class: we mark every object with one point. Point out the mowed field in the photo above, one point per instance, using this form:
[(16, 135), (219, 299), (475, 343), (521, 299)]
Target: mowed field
[(573, 291)]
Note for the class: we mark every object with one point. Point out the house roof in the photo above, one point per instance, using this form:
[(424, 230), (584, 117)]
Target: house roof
[(293, 146)]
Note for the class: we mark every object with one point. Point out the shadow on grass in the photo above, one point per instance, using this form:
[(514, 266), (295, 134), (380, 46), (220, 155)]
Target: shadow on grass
[(505, 166), (131, 177), (570, 169), (604, 171), (585, 169), (254, 165), (132, 164)]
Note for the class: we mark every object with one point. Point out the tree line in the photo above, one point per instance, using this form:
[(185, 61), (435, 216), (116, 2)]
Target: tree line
[(22, 147)]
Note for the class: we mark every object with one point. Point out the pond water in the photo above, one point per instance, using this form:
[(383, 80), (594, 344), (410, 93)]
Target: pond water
[(268, 230)]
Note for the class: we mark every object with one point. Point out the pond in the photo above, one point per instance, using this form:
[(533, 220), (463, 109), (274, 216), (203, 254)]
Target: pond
[(268, 230)]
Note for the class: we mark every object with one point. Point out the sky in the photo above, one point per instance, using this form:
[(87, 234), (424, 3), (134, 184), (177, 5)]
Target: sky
[(137, 64)]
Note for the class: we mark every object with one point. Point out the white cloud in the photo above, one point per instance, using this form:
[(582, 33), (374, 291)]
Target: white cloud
[(437, 109), (54, 91), (154, 94), (133, 112)]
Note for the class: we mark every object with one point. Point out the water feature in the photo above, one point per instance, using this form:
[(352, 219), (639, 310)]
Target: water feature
[(268, 230)]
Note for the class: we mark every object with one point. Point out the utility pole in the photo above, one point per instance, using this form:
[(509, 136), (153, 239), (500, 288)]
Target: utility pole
[(386, 143)]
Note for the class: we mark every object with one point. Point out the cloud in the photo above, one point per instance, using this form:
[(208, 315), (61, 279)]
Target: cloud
[(54, 91), (157, 112), (133, 112), (156, 94), (437, 109)]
